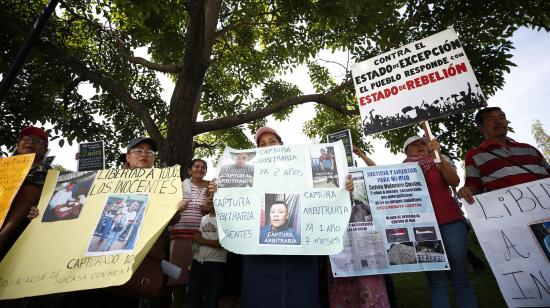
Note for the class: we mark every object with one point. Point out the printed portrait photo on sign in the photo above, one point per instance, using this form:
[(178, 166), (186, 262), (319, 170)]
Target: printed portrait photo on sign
[(429, 251), (280, 220), (69, 196), (360, 209), (323, 167), (119, 224), (541, 232), (237, 170)]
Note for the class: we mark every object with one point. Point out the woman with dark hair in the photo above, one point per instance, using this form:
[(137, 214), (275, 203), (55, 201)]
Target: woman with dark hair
[(181, 233)]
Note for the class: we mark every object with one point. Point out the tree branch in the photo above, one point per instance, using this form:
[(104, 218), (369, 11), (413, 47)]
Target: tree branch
[(129, 56), (227, 122), (85, 73)]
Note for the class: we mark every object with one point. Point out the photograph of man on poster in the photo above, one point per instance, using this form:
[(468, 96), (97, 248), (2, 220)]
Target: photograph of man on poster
[(280, 224), (324, 170), (119, 224), (69, 196), (239, 172)]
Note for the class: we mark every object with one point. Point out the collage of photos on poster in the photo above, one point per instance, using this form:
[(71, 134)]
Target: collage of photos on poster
[(323, 167), (118, 227), (237, 170), (69, 196), (280, 220), (414, 245)]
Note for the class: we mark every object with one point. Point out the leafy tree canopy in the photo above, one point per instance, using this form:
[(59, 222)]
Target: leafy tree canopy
[(226, 59)]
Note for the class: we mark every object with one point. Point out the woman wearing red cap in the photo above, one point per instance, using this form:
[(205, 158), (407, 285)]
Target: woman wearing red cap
[(31, 140), (279, 280)]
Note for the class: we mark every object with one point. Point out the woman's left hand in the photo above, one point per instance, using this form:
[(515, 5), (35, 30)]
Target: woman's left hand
[(434, 145), (349, 183)]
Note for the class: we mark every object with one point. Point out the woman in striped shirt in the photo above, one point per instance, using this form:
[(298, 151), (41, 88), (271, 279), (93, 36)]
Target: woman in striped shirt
[(181, 254)]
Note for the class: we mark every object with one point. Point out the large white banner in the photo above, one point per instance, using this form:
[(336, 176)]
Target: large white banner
[(513, 228), (392, 228), (283, 199), (426, 79)]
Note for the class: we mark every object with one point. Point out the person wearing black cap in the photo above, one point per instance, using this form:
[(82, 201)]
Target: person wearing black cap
[(140, 153), (31, 140)]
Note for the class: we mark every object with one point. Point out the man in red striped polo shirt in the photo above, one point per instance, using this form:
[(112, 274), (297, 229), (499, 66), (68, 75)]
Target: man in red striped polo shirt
[(499, 161)]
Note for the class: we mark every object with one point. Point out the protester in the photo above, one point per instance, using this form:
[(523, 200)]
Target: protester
[(450, 220), (207, 269), (279, 280), (140, 153), (360, 291), (31, 140), (499, 161), (188, 223)]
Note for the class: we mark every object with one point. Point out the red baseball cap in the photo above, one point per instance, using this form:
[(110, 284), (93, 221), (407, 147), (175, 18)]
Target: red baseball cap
[(35, 131), (263, 130)]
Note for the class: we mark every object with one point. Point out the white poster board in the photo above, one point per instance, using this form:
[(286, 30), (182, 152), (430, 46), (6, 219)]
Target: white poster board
[(392, 228), (513, 228), (286, 200), (423, 80)]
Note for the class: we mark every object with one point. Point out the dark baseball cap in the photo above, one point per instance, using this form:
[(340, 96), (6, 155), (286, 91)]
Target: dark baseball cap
[(140, 140)]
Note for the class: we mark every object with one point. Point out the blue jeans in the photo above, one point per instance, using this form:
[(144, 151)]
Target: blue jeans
[(455, 237), (205, 280)]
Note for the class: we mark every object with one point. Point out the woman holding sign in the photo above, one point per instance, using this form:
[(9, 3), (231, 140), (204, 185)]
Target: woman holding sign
[(451, 223), (279, 280), (31, 140)]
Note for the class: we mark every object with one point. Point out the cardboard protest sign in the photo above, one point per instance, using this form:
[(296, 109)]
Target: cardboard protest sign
[(283, 199), (92, 156), (426, 79), (345, 136), (121, 215), (513, 227), (392, 228), (13, 171)]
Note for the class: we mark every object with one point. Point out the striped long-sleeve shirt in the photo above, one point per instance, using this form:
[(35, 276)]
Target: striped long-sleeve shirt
[(190, 219), (486, 171)]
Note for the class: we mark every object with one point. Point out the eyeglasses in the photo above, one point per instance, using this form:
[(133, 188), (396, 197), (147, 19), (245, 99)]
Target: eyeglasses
[(140, 152), (33, 140)]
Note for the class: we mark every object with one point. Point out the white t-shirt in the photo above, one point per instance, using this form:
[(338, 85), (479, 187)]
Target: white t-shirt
[(61, 197), (209, 231)]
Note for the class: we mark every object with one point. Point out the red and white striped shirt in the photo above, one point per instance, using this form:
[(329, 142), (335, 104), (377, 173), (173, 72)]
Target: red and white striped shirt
[(190, 219), (486, 171)]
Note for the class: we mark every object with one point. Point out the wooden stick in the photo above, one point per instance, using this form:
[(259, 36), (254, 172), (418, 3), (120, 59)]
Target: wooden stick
[(426, 127)]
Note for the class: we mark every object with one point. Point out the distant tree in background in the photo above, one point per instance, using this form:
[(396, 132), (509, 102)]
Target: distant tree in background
[(543, 140)]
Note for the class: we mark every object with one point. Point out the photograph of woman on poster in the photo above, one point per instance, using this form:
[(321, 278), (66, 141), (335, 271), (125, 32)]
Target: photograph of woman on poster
[(281, 225)]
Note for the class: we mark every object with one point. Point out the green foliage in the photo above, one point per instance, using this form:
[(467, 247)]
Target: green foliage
[(542, 138), (256, 42)]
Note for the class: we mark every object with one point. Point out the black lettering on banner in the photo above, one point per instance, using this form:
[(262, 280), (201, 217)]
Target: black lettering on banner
[(517, 284), (537, 282), (520, 197), (510, 245), (485, 212)]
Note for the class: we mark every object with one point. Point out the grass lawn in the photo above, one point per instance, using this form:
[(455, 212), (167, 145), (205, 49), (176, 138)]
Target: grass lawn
[(412, 288)]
